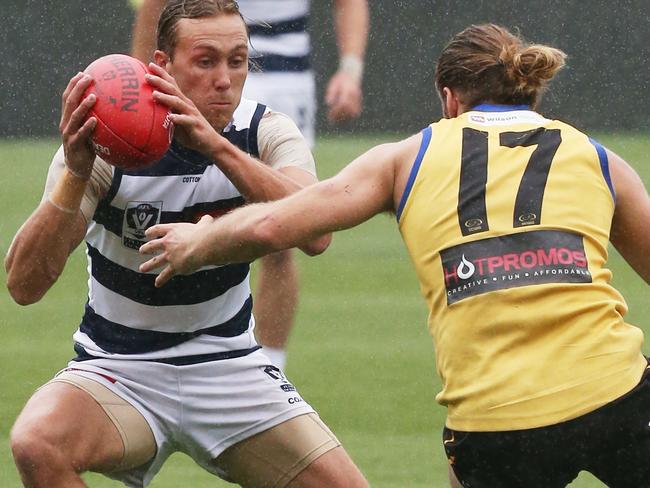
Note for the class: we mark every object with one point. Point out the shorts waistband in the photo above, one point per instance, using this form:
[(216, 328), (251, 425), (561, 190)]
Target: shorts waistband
[(83, 355)]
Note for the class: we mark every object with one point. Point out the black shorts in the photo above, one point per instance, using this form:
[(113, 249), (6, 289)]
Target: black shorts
[(612, 443)]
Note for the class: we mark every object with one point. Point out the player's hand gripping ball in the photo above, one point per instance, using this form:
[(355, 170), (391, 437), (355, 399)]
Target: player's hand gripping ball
[(132, 129)]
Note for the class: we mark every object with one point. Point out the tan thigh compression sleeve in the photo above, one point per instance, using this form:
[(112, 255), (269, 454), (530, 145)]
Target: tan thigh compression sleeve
[(276, 456), (137, 437)]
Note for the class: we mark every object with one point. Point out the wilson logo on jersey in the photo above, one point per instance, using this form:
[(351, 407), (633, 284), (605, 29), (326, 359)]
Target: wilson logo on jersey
[(138, 217), (526, 258)]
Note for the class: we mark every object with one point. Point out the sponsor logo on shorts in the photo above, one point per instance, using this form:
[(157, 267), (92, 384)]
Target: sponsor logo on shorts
[(294, 400), (526, 258), (277, 376), (138, 217), (275, 373)]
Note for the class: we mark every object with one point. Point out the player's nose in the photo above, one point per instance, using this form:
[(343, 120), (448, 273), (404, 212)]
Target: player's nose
[(221, 79)]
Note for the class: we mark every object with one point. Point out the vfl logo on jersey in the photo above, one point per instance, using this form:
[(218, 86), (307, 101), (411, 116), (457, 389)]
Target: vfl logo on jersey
[(526, 258), (138, 217)]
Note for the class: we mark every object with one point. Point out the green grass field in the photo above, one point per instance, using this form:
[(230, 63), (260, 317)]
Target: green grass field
[(360, 353)]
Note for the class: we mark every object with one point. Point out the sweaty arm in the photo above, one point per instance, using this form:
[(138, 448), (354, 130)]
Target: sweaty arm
[(42, 245), (286, 165), (279, 172), (629, 232), (368, 186)]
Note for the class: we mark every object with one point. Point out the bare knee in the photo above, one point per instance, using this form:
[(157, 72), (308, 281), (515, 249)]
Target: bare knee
[(34, 448)]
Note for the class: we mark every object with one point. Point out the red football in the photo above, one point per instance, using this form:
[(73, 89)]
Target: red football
[(132, 129)]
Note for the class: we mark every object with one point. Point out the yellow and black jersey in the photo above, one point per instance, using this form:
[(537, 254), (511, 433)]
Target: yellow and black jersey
[(506, 216)]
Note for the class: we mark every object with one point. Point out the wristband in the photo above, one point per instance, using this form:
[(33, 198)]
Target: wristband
[(352, 65), (69, 211), (68, 192), (75, 174)]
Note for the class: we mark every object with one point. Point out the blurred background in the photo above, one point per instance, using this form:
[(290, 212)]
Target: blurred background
[(605, 87)]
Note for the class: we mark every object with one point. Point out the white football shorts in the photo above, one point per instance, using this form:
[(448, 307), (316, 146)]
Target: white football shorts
[(199, 409)]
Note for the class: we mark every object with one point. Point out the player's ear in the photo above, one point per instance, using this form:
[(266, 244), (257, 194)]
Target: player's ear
[(450, 104), (161, 58)]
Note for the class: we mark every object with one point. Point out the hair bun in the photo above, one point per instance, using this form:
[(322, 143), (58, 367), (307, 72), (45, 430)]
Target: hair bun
[(534, 65)]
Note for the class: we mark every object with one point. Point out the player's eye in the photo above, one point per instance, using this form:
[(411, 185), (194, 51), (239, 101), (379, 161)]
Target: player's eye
[(237, 62), (205, 62)]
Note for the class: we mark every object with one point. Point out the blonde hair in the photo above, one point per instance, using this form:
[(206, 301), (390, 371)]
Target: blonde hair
[(487, 63)]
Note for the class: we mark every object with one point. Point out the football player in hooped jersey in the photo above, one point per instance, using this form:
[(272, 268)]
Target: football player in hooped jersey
[(507, 216), (177, 369)]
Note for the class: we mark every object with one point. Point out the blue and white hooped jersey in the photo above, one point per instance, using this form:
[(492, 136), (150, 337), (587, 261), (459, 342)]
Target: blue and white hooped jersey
[(279, 40), (203, 316)]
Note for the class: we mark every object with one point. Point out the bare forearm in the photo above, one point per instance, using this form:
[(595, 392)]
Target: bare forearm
[(237, 241), (41, 247), (144, 30), (38, 253), (351, 21), (256, 181)]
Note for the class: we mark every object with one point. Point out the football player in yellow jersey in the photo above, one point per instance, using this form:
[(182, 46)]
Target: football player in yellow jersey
[(507, 216)]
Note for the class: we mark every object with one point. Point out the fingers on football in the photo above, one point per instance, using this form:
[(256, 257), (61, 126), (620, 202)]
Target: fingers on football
[(159, 71), (174, 102), (66, 93), (73, 98), (182, 120), (76, 122), (164, 82), (87, 129), (158, 81)]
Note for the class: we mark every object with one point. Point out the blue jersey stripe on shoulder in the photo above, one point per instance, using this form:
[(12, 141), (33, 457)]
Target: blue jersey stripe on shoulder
[(426, 138), (604, 165)]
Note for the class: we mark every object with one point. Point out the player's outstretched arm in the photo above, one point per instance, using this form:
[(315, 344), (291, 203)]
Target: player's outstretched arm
[(629, 232), (42, 245), (363, 189)]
